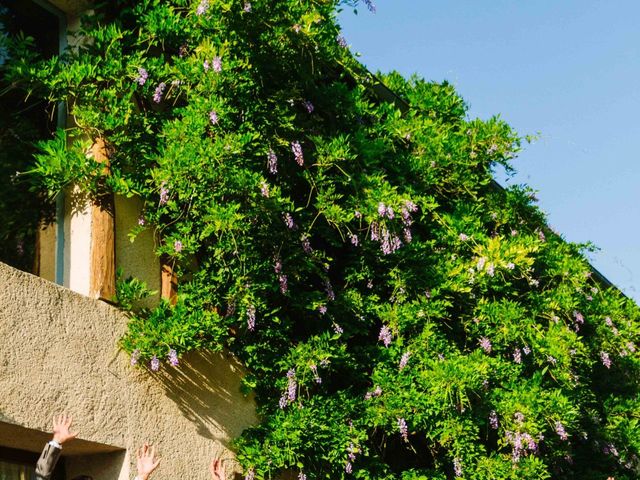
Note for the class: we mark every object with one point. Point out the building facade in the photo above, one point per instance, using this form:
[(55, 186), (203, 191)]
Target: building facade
[(60, 341)]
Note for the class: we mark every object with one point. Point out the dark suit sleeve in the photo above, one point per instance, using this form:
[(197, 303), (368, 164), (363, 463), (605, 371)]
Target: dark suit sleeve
[(47, 462)]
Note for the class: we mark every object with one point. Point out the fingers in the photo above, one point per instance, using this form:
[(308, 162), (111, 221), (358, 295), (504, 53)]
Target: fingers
[(142, 451), (62, 420)]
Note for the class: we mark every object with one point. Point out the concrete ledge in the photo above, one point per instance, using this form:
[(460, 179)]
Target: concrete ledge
[(59, 354)]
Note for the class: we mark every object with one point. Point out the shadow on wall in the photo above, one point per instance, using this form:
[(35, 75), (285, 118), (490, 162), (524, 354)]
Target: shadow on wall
[(206, 388)]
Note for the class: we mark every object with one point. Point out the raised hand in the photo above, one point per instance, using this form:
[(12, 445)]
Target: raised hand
[(146, 462), (216, 469), (61, 425)]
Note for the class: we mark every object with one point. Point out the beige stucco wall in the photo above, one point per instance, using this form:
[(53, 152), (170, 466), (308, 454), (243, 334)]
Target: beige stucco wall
[(136, 258), (59, 353), (47, 253)]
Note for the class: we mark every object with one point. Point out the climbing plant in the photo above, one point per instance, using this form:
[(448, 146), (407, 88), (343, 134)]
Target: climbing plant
[(400, 315)]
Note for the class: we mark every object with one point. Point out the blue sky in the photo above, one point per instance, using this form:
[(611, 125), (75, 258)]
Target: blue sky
[(568, 71)]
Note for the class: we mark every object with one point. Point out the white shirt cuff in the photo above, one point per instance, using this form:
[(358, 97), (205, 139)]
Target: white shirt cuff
[(55, 444)]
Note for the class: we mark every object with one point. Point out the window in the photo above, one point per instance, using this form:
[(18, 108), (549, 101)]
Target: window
[(22, 122), (21, 465)]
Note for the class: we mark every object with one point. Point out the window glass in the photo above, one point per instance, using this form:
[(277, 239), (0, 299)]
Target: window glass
[(23, 121), (14, 471)]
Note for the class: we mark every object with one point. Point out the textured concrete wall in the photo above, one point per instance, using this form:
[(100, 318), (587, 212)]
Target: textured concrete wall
[(136, 258), (59, 353)]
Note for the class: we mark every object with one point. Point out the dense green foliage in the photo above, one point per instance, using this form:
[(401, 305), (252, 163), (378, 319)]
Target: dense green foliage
[(22, 122), (400, 316)]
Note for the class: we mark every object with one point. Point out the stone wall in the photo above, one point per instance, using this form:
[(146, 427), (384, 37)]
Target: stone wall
[(59, 354)]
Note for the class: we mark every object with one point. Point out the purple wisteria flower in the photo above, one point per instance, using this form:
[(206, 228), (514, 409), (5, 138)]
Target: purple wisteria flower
[(390, 242), (463, 237), (606, 360), (292, 386), (370, 5), (541, 236), (517, 355), (351, 449), (510, 266), (493, 419), (250, 475), (610, 324), (282, 280), (519, 417), (157, 95), (283, 401), (302, 476), (382, 209), (610, 449), (485, 344), (490, 269), (213, 117), (164, 193), (404, 430), (357, 214), (385, 335), (314, 370), (404, 360), (337, 329), (390, 213), (272, 162), (306, 244), (342, 41), (522, 444), (308, 106), (322, 309), (173, 358), (481, 263), (206, 65), (297, 152), (526, 350), (177, 246), (562, 433), (251, 318), (457, 467), (264, 189), (354, 239), (142, 77), (348, 468), (552, 360), (155, 364), (578, 320), (288, 221), (216, 64), (202, 7), (329, 289), (247, 9), (135, 356), (141, 221)]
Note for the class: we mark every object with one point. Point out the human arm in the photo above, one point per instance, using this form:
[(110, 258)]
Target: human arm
[(51, 453)]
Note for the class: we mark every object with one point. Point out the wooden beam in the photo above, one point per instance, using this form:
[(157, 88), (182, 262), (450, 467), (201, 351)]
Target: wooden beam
[(168, 281), (103, 255)]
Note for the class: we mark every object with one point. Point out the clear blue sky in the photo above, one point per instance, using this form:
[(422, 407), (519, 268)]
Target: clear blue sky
[(567, 70)]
